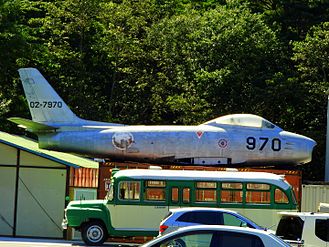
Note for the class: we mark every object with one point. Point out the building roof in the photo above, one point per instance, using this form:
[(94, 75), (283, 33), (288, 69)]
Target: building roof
[(31, 146)]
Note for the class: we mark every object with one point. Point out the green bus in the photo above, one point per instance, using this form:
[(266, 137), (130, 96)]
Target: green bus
[(138, 199)]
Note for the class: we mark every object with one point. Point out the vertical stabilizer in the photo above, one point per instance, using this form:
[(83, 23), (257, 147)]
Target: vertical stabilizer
[(46, 106)]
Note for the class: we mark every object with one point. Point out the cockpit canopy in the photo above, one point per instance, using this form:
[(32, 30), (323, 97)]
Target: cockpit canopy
[(244, 120)]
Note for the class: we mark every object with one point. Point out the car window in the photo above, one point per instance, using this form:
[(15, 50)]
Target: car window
[(230, 239), (322, 229), (206, 218), (192, 239), (231, 220), (290, 228)]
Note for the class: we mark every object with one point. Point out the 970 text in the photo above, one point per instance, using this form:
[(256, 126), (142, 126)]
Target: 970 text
[(262, 142)]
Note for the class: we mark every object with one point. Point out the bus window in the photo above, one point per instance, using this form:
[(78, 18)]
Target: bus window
[(258, 193), (233, 185), (129, 190), (155, 190), (206, 185), (280, 196), (206, 192), (174, 195), (186, 195), (231, 192), (256, 186)]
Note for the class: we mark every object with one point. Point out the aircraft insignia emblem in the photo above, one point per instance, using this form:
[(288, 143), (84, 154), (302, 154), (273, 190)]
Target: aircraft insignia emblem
[(222, 143), (122, 140), (199, 134)]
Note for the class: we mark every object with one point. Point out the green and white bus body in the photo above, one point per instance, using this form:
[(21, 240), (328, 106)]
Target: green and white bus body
[(139, 199)]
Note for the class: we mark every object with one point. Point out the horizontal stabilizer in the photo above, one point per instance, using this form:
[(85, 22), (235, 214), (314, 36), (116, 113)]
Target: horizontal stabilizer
[(31, 125)]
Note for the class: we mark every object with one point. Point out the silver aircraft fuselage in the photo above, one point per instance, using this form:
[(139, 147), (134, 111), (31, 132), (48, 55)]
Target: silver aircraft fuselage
[(231, 139), (203, 144)]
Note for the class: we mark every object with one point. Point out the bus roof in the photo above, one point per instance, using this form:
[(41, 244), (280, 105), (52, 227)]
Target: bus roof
[(259, 177)]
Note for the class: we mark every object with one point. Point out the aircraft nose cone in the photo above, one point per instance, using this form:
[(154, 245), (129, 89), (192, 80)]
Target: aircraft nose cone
[(309, 143), (309, 146), (301, 146), (312, 143)]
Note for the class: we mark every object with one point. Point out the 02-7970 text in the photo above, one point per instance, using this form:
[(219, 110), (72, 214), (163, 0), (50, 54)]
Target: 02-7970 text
[(46, 104)]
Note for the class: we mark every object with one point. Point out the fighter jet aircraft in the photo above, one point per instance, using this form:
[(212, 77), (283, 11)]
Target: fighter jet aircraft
[(231, 139)]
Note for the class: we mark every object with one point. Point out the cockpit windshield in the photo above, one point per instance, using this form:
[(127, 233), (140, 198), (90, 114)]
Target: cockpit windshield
[(246, 120)]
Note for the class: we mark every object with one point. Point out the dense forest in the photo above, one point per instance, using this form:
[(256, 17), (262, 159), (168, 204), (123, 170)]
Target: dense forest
[(173, 61)]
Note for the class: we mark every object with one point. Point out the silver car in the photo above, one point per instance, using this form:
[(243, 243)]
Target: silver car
[(217, 236), (181, 217)]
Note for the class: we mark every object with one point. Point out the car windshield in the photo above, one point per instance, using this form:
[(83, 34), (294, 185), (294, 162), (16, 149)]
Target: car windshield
[(251, 223), (290, 227)]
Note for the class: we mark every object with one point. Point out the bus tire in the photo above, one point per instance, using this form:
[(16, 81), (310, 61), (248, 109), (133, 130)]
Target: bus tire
[(94, 233)]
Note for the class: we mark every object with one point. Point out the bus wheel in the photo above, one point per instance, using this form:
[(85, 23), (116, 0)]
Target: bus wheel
[(94, 233)]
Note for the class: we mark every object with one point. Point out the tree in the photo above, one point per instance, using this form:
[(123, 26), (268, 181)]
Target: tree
[(15, 52), (67, 57), (293, 18), (311, 58), (219, 60)]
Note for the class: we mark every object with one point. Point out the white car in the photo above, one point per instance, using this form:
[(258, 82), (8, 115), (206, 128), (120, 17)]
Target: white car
[(305, 229), (217, 236), (180, 217)]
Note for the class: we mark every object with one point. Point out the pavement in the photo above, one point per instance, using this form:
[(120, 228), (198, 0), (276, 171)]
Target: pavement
[(36, 242)]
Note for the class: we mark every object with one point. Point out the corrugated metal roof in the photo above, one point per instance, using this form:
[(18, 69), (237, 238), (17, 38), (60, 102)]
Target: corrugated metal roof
[(31, 146)]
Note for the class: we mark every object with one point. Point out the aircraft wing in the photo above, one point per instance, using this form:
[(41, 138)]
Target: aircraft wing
[(31, 125)]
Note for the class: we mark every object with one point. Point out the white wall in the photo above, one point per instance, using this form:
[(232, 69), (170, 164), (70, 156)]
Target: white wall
[(41, 202), (40, 194), (312, 195), (7, 201)]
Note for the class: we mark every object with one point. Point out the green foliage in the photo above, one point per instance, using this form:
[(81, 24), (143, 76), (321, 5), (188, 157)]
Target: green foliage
[(311, 58), (312, 55), (14, 50), (221, 57), (294, 18)]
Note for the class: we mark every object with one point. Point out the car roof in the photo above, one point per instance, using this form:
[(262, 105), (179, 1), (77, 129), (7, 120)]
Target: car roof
[(189, 209), (304, 214), (221, 228), (235, 229)]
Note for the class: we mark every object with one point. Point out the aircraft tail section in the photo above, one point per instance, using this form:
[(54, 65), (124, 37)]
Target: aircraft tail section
[(45, 105)]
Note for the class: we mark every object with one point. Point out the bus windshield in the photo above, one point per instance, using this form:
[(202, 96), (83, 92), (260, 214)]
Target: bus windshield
[(109, 194)]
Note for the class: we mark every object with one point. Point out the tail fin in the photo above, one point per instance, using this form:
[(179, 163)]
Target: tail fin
[(46, 106)]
